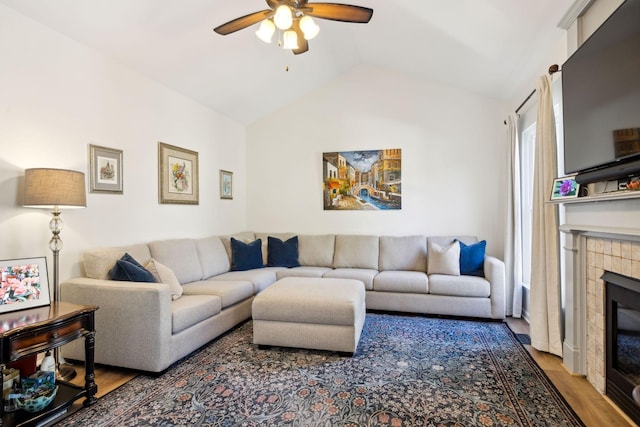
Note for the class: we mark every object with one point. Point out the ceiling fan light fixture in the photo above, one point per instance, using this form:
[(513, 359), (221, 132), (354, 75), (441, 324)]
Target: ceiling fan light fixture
[(309, 27), (283, 17), (266, 30), (290, 39)]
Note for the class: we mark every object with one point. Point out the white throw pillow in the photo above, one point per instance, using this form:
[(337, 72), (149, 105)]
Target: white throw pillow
[(444, 260), (164, 274)]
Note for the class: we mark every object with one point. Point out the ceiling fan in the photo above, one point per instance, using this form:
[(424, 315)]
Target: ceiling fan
[(294, 19)]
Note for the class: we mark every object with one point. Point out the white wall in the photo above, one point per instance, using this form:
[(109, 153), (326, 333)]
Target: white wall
[(56, 97), (453, 158)]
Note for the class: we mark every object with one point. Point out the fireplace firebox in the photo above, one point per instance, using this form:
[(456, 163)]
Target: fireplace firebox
[(622, 331)]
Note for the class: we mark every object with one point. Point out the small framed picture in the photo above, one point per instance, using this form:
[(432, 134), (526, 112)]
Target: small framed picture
[(105, 165), (565, 188), (226, 185), (177, 175), (23, 284)]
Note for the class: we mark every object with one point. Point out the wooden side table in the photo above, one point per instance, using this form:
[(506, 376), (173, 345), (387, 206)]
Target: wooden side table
[(27, 332)]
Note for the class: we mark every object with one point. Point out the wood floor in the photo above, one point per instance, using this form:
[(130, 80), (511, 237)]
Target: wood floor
[(594, 409)]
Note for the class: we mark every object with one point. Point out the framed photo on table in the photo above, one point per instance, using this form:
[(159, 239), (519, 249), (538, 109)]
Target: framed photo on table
[(177, 175), (226, 185), (105, 166), (24, 284)]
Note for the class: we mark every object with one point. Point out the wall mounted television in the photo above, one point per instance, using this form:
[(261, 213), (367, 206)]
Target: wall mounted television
[(601, 100)]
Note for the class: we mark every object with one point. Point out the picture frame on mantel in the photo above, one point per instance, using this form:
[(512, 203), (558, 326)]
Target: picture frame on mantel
[(565, 188), (177, 175), (105, 166), (226, 185), (24, 284)]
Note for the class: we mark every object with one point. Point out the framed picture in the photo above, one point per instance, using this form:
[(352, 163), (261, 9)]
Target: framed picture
[(24, 284), (226, 185), (105, 166), (565, 188), (177, 175)]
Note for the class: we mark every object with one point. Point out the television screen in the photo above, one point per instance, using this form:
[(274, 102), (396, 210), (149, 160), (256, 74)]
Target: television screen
[(601, 94)]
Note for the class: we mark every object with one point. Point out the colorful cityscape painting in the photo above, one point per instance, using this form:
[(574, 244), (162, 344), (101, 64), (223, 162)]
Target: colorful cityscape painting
[(362, 180)]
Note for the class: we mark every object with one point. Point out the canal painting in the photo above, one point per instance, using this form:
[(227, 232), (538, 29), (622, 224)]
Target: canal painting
[(362, 180)]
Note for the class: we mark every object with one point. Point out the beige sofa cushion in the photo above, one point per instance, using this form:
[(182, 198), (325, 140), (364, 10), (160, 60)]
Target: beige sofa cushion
[(459, 286), (190, 310), (356, 251), (365, 275), (98, 262), (181, 256), (230, 292), (213, 256), (316, 250), (403, 253), (414, 282)]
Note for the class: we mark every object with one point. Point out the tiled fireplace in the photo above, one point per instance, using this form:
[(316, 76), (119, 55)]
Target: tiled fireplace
[(589, 252), (604, 254)]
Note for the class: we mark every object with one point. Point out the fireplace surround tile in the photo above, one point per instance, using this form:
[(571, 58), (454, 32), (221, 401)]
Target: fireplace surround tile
[(618, 256)]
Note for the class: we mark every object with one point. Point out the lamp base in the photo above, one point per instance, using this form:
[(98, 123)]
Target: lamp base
[(65, 372)]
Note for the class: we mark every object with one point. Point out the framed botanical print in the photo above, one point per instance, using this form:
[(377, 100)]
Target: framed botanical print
[(226, 185), (177, 175), (105, 166)]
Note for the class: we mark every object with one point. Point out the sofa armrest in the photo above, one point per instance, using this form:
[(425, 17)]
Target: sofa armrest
[(133, 320), (494, 272)]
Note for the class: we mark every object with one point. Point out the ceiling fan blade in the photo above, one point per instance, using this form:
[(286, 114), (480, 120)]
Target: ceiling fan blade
[(242, 22), (339, 12)]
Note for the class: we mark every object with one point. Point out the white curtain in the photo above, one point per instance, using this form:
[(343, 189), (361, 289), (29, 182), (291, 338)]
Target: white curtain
[(546, 311), (513, 243)]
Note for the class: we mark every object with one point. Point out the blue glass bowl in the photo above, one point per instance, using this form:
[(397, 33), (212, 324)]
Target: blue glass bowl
[(39, 403)]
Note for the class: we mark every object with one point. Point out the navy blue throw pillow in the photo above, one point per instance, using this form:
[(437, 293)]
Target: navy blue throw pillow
[(472, 258), (129, 270), (246, 256), (282, 254)]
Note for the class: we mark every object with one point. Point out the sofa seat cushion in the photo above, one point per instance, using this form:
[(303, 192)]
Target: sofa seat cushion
[(261, 278), (190, 310), (304, 271), (401, 281), (459, 286), (365, 275), (230, 292)]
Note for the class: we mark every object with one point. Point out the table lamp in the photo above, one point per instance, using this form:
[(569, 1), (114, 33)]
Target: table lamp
[(55, 189)]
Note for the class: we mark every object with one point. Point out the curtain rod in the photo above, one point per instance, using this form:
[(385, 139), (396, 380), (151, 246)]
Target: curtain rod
[(552, 69)]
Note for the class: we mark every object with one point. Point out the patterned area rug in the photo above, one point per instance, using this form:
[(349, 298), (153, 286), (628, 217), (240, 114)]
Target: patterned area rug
[(408, 371)]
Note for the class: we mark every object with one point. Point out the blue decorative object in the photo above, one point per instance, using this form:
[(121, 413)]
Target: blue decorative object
[(246, 256), (282, 254), (128, 269), (38, 403), (472, 258)]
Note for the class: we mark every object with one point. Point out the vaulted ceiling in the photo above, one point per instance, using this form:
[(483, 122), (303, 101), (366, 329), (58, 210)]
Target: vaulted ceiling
[(477, 45)]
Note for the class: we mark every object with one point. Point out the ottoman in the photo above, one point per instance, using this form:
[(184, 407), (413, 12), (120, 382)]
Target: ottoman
[(311, 313)]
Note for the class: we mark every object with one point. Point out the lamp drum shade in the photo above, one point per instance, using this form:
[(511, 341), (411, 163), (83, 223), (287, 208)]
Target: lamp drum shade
[(48, 188)]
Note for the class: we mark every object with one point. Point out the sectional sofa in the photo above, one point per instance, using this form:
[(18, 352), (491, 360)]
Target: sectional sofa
[(203, 289)]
